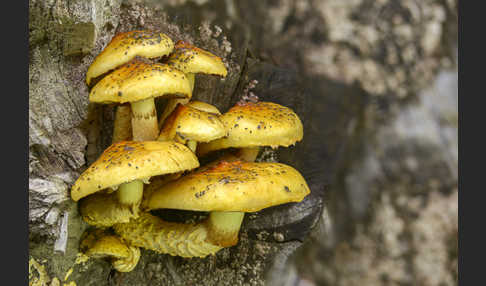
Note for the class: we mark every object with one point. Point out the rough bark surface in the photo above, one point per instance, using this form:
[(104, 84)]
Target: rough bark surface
[(345, 67)]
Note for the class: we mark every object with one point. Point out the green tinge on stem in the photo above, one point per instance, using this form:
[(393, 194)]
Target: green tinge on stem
[(248, 154), (191, 144), (192, 79), (144, 120), (224, 227), (131, 194)]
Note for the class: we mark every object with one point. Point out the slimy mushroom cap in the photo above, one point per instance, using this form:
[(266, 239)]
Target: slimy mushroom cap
[(235, 186), (188, 123), (190, 59), (129, 160), (138, 80), (126, 46), (257, 124)]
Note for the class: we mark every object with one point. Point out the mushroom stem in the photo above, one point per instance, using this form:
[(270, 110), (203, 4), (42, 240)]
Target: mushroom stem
[(131, 194), (172, 102), (224, 227), (248, 154), (122, 127), (144, 120), (176, 239), (191, 144)]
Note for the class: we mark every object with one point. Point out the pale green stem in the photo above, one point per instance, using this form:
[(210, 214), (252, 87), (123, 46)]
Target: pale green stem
[(224, 227), (191, 144), (248, 154), (144, 120), (131, 194)]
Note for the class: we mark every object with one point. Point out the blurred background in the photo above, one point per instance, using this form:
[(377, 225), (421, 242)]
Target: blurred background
[(380, 78)]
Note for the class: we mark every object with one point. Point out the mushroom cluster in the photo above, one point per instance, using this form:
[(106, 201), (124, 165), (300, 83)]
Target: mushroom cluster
[(153, 163)]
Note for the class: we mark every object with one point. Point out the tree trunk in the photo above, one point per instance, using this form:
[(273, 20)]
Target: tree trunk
[(286, 47)]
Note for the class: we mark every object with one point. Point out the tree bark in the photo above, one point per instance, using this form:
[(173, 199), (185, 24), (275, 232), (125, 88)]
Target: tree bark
[(288, 52)]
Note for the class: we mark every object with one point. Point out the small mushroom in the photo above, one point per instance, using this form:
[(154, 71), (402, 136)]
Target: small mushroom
[(191, 60), (190, 125), (252, 125), (126, 46), (124, 166), (227, 191), (139, 83), (100, 244)]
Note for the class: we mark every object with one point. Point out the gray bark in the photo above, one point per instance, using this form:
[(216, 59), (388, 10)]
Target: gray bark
[(343, 66)]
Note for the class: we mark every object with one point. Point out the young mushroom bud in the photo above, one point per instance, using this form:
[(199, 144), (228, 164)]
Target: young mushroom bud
[(139, 83), (100, 244), (124, 166), (252, 125), (191, 60), (190, 125), (227, 191)]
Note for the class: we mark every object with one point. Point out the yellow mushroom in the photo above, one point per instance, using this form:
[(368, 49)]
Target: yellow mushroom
[(124, 166), (252, 125), (126, 46), (101, 244), (139, 83), (191, 60), (189, 125), (227, 191)]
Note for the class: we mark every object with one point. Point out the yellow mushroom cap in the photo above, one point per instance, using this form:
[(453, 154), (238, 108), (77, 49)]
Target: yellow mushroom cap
[(203, 106), (257, 124), (99, 243), (138, 80), (232, 186), (126, 46), (129, 160), (188, 123), (105, 245), (190, 59)]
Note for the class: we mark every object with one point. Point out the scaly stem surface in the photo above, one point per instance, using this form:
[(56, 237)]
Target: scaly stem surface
[(176, 239), (131, 194), (144, 120), (249, 154), (179, 239), (122, 127), (172, 103)]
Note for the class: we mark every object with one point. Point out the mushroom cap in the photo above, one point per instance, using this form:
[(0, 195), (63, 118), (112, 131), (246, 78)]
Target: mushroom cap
[(109, 245), (257, 124), (126, 46), (126, 161), (138, 80), (203, 106), (190, 59), (104, 210), (234, 186), (188, 123)]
